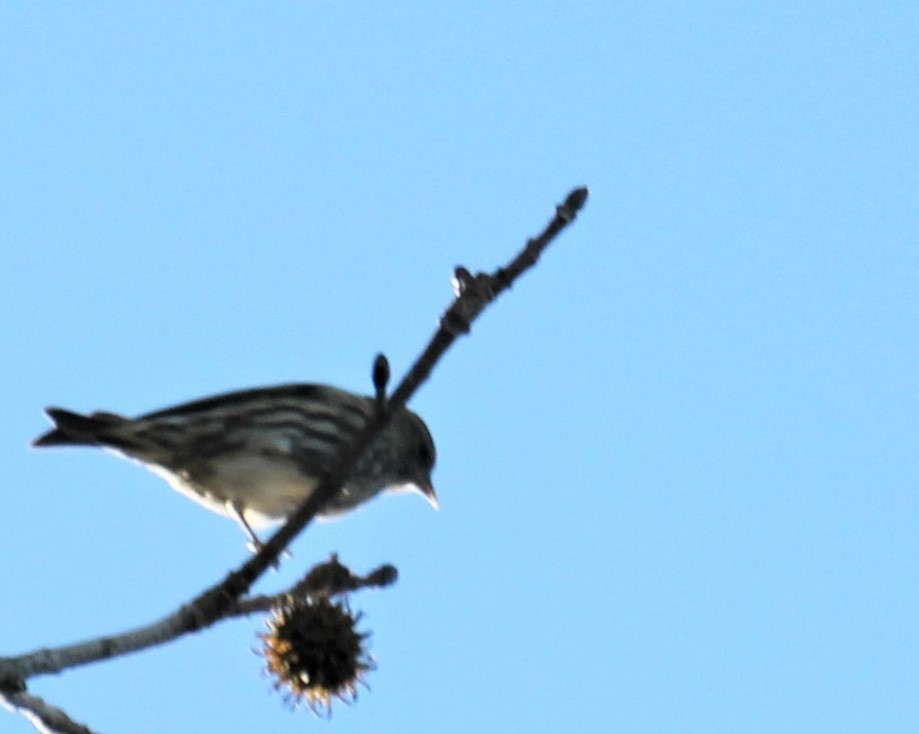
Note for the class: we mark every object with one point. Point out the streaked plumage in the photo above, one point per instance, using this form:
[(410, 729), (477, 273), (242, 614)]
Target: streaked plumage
[(255, 455)]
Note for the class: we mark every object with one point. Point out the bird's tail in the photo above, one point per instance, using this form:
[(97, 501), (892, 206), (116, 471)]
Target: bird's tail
[(73, 429)]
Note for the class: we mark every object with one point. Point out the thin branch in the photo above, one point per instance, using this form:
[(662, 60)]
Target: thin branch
[(42, 715), (473, 294), (471, 299), (330, 578)]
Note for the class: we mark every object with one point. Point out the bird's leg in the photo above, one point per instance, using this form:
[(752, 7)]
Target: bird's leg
[(254, 544)]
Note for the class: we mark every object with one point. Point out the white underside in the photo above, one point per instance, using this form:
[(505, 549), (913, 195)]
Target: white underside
[(263, 490)]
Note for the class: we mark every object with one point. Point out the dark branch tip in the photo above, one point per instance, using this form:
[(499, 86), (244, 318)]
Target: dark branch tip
[(383, 576), (577, 198), (381, 375), (461, 280), (573, 204)]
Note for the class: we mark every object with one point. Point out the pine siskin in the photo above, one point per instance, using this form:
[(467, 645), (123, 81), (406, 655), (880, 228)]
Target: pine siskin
[(256, 455)]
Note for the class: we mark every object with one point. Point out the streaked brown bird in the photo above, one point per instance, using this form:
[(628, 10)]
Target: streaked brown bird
[(256, 455)]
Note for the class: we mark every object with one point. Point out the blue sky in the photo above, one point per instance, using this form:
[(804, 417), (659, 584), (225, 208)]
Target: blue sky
[(677, 461)]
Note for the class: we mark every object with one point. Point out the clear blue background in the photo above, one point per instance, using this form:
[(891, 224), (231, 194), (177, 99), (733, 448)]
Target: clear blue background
[(678, 461)]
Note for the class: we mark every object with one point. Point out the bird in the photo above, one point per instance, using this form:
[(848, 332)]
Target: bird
[(255, 455)]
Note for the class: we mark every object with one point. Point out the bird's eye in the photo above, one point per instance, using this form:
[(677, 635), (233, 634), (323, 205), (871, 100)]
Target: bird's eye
[(424, 455)]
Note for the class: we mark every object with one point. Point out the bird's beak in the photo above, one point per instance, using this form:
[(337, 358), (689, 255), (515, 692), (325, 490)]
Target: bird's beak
[(427, 491)]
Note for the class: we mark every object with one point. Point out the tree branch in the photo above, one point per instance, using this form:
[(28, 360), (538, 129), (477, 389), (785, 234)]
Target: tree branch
[(329, 578), (473, 294), (44, 716)]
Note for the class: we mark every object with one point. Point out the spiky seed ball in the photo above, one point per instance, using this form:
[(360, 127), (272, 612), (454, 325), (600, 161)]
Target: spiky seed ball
[(313, 648)]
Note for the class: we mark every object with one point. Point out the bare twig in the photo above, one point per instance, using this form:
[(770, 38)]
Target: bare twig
[(330, 578), (43, 716)]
